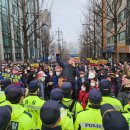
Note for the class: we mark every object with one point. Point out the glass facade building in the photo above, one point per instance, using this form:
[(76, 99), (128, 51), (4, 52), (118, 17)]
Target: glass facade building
[(11, 34)]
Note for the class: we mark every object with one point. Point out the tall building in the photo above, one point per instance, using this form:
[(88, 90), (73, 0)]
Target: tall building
[(128, 22), (122, 47), (11, 32), (44, 32)]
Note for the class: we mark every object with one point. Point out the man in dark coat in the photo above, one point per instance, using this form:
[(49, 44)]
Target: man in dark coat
[(69, 69)]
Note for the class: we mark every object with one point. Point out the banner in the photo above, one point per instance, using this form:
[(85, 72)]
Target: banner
[(35, 65), (97, 62), (102, 62), (14, 78), (77, 59)]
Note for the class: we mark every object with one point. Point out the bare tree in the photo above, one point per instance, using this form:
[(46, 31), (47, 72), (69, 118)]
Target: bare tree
[(101, 10), (28, 23), (110, 12), (92, 34)]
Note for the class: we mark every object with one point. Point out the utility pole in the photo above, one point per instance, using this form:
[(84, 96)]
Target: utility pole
[(59, 33), (35, 26), (94, 36), (89, 28)]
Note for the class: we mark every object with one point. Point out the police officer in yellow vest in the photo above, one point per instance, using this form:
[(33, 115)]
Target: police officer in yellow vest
[(3, 100), (126, 113), (91, 119), (4, 83), (5, 117), (51, 116), (66, 118), (33, 103), (20, 119), (105, 88), (112, 119), (73, 106)]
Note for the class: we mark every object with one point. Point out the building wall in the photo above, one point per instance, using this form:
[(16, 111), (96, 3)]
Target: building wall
[(122, 48), (11, 36), (104, 23), (44, 32)]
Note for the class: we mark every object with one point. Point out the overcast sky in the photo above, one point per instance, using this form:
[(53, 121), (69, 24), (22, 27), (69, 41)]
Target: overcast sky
[(66, 15)]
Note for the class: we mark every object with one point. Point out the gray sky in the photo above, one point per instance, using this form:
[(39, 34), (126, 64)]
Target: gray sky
[(66, 15)]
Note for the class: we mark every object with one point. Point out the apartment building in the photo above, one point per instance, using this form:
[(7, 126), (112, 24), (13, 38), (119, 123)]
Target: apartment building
[(123, 48), (11, 33)]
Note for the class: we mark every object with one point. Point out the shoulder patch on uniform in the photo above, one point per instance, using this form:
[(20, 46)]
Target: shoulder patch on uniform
[(28, 114)]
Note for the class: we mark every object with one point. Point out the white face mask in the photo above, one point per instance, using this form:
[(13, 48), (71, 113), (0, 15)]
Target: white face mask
[(8, 71), (92, 84), (117, 75), (83, 88), (28, 68), (43, 79), (58, 73), (51, 74)]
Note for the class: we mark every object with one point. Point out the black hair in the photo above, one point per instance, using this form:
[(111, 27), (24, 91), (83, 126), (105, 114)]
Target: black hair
[(67, 95), (87, 85), (15, 99), (105, 92)]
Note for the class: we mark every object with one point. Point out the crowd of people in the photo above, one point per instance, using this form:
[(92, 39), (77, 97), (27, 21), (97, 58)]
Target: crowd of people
[(65, 96)]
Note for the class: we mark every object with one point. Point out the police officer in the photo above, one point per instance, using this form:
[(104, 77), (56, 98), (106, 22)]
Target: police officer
[(3, 100), (4, 83), (51, 117), (105, 88), (66, 119), (112, 119), (5, 117), (91, 119), (33, 103), (20, 119), (73, 106), (126, 113)]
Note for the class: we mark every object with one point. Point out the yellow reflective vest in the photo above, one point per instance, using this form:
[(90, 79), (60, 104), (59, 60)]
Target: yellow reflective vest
[(113, 101), (33, 105), (76, 106), (3, 101), (127, 108), (20, 119), (127, 116), (89, 120), (66, 121)]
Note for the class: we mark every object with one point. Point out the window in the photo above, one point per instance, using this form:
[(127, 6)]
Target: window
[(110, 40), (121, 16), (6, 41), (108, 11), (4, 6), (109, 25), (113, 5), (122, 36), (15, 11), (116, 4)]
